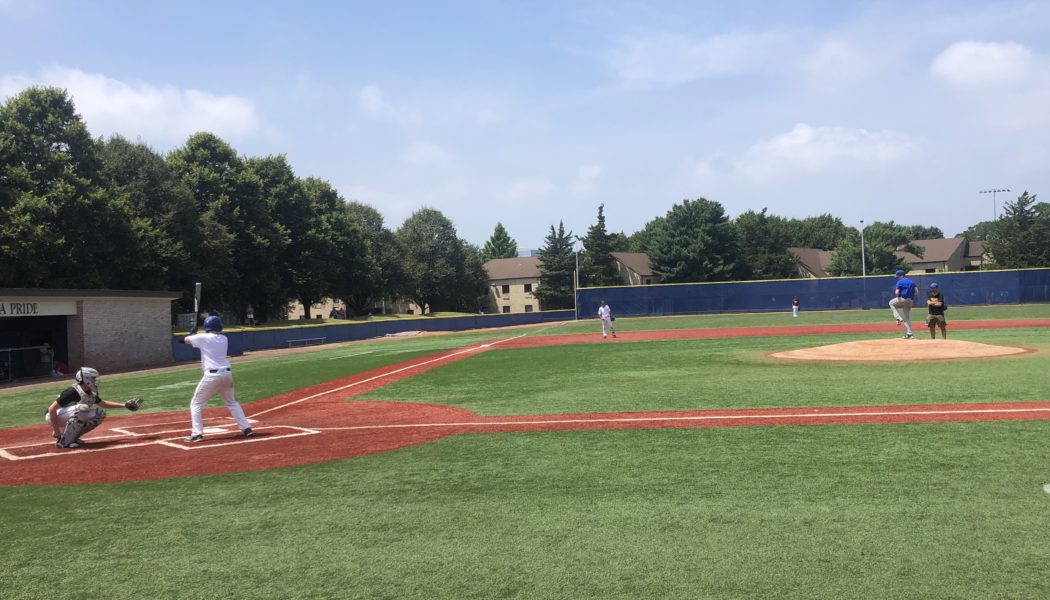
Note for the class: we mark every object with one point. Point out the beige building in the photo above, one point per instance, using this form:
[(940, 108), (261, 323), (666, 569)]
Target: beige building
[(111, 330), (812, 262), (941, 255), (634, 268), (512, 283)]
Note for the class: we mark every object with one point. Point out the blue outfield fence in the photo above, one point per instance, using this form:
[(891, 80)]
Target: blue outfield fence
[(973, 287), (307, 334)]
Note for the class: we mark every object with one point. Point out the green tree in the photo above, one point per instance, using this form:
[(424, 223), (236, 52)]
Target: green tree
[(980, 232), (640, 240), (824, 232), (881, 243), (764, 241), (163, 216), (383, 275), (432, 260), (500, 245), (58, 227), (696, 243), (596, 262), (557, 270), (921, 232), (245, 242), (472, 281), (1021, 235)]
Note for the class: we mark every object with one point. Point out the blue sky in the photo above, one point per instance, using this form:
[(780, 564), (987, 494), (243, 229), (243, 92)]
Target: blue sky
[(531, 113)]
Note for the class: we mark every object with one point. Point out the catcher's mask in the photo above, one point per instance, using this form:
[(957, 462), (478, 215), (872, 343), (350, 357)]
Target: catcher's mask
[(88, 377)]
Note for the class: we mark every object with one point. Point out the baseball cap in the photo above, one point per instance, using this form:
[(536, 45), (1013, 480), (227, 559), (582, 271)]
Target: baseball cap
[(899, 273), (933, 286)]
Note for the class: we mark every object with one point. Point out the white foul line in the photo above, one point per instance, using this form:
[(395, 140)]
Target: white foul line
[(809, 415), (387, 374)]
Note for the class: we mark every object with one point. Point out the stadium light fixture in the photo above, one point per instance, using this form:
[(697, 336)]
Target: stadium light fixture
[(993, 192)]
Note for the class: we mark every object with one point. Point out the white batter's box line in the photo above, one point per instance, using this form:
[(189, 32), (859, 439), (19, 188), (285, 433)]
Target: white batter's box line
[(806, 415), (74, 453), (299, 432), (170, 442), (183, 426)]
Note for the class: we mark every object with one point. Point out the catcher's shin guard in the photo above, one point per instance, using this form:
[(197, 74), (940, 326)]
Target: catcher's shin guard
[(81, 423)]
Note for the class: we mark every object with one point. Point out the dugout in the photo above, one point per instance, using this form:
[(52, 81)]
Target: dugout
[(111, 330)]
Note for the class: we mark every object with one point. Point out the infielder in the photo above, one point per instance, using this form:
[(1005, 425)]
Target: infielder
[(904, 297), (79, 409), (218, 379), (606, 316)]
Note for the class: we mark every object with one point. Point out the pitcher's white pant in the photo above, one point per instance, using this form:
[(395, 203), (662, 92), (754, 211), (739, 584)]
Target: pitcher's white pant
[(794, 310), (904, 305), (607, 323), (220, 383)]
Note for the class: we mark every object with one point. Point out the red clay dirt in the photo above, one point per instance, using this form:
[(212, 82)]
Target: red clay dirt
[(318, 424)]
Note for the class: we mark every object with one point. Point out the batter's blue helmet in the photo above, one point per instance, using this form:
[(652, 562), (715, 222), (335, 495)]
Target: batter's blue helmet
[(213, 323)]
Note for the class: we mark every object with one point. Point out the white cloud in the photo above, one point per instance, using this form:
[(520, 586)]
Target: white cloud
[(811, 149), (164, 114), (1008, 81), (422, 153), (375, 104), (586, 180), (975, 64), (671, 59), (527, 190)]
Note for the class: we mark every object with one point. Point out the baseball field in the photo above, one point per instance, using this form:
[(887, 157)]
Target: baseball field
[(685, 458)]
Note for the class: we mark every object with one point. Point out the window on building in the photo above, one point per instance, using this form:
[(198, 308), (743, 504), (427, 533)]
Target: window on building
[(528, 288), (506, 290), (931, 270), (528, 308), (506, 309), (648, 281)]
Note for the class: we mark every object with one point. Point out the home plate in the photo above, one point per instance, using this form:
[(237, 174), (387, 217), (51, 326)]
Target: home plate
[(217, 430)]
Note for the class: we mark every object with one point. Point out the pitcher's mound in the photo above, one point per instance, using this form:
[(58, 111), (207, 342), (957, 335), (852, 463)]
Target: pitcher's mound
[(897, 349)]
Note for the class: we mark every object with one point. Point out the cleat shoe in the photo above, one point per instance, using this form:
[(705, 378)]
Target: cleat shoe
[(614, 335), (899, 321), (73, 444), (248, 432), (908, 336), (195, 438)]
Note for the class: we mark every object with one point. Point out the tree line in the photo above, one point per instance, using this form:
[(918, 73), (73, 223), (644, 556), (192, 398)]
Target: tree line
[(80, 212)]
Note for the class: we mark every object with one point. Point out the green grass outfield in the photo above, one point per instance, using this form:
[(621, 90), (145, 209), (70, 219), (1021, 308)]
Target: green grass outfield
[(950, 510)]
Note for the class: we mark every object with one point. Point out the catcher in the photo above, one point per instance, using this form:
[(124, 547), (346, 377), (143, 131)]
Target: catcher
[(79, 409), (936, 305)]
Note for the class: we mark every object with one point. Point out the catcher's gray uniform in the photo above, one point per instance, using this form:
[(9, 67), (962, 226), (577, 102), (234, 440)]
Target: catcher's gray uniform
[(79, 409)]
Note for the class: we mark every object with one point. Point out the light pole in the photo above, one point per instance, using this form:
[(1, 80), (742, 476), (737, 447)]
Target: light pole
[(863, 269), (576, 282), (863, 260), (993, 192)]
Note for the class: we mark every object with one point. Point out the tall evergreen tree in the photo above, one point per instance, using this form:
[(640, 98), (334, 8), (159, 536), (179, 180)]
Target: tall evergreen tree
[(695, 243), (500, 245), (763, 246), (1021, 235), (557, 270), (596, 262)]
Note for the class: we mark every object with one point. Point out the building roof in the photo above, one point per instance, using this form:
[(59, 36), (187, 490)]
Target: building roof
[(934, 251), (521, 267), (976, 250), (814, 260), (635, 261)]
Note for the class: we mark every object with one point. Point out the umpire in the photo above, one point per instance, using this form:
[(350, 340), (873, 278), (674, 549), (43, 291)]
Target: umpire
[(936, 305)]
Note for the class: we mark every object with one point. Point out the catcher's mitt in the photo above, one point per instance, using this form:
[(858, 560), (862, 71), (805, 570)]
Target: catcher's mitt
[(133, 404)]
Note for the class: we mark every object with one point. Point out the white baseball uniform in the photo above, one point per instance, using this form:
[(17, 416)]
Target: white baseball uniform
[(218, 379), (605, 314)]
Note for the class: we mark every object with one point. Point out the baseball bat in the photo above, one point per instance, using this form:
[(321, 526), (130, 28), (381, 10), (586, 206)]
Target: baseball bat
[(196, 301)]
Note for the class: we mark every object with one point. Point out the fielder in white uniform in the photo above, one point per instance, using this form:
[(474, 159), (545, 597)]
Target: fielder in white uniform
[(218, 379), (605, 314)]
